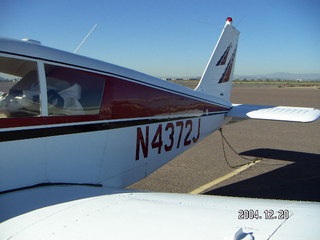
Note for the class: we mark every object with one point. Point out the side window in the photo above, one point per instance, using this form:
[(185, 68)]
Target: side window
[(73, 92), (19, 88)]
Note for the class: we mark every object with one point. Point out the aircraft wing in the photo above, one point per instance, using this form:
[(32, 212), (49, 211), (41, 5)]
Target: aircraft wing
[(281, 113), (97, 213)]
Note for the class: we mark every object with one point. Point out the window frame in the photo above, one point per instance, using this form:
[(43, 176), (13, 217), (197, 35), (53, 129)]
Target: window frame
[(83, 69), (43, 89)]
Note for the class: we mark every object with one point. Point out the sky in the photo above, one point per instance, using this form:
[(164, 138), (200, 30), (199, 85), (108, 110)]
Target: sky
[(173, 38)]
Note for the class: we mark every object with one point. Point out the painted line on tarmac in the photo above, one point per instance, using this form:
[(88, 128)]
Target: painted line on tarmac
[(209, 185)]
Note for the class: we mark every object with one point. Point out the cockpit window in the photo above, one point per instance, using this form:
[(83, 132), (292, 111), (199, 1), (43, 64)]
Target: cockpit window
[(73, 92), (19, 88)]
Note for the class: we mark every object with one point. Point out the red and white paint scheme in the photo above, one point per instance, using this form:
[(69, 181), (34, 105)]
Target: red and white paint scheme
[(95, 128)]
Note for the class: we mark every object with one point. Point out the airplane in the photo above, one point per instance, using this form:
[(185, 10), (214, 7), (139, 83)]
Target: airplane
[(94, 128)]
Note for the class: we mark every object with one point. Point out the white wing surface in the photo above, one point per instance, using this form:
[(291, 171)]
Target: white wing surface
[(281, 113), (139, 215)]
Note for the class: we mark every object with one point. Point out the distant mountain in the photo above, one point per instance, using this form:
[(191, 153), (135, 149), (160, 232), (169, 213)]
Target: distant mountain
[(281, 76)]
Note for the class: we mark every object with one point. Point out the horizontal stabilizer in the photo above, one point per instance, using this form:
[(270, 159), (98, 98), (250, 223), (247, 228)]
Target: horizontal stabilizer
[(280, 113)]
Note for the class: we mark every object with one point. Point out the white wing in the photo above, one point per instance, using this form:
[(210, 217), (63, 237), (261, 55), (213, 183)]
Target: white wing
[(97, 214), (281, 113)]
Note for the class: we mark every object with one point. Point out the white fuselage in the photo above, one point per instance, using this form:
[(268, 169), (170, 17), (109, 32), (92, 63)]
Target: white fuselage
[(97, 157), (82, 121)]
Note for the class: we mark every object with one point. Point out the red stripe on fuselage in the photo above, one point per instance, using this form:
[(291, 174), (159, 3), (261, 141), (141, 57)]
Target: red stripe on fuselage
[(125, 99)]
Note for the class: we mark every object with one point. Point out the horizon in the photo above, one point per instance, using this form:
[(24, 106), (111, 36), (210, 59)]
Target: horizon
[(271, 76), (173, 38)]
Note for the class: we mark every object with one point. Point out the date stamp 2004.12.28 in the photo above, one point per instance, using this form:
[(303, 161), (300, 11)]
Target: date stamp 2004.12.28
[(268, 214)]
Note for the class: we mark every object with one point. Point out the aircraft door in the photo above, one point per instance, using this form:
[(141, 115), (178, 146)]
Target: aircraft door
[(22, 161)]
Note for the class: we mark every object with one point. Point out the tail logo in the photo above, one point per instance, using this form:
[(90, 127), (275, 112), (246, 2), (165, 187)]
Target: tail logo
[(227, 73), (224, 57)]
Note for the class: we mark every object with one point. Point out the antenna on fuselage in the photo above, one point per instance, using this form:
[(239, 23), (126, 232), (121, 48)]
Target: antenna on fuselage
[(85, 38)]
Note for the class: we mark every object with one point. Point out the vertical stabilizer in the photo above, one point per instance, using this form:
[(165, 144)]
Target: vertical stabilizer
[(217, 77)]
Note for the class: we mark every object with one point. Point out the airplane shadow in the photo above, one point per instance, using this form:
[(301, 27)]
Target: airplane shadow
[(297, 181)]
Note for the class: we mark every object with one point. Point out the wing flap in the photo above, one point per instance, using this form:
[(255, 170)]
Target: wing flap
[(280, 113)]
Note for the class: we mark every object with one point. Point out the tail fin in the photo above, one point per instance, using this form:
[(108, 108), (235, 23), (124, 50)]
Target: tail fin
[(217, 77)]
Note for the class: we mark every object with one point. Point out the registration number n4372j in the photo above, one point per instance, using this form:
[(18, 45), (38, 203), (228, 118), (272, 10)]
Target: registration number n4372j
[(167, 137)]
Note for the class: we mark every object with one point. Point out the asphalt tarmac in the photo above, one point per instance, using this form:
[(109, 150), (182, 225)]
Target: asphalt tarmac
[(284, 157)]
